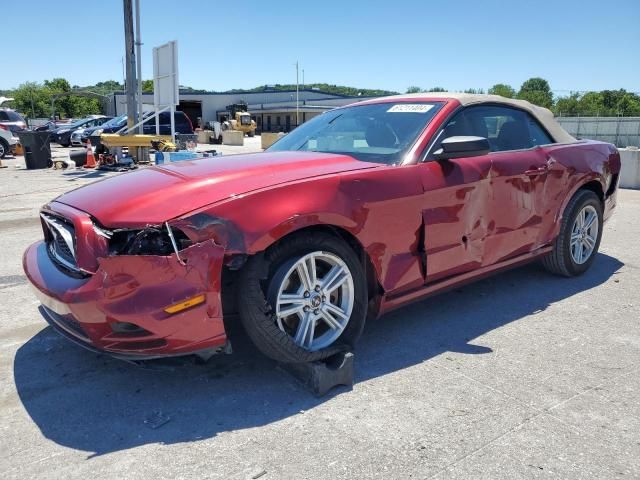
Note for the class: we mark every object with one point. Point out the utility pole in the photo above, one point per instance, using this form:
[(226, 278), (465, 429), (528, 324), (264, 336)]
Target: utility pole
[(132, 114), (303, 79), (297, 97), (139, 65)]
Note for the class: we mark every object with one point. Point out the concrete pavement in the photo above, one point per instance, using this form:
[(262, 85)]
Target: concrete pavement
[(522, 375)]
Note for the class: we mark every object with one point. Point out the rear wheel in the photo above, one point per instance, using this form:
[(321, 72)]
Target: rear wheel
[(311, 303), (576, 246), (4, 148)]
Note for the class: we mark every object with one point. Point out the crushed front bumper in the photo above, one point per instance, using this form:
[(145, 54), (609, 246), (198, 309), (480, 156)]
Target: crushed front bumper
[(134, 291)]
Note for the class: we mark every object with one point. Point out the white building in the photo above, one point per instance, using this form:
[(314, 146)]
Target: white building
[(272, 110)]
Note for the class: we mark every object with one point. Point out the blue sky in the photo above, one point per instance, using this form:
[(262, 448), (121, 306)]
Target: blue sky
[(576, 45)]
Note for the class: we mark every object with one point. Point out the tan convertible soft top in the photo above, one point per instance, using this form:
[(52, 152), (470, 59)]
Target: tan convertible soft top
[(543, 115)]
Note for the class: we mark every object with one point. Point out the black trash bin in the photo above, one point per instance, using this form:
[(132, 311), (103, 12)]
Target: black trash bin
[(37, 151)]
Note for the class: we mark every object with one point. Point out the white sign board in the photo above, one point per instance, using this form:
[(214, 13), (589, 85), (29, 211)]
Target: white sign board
[(165, 75)]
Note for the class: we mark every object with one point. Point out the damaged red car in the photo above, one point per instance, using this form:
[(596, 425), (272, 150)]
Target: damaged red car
[(356, 212)]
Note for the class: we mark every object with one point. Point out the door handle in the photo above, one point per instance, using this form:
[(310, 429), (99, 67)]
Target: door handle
[(536, 171)]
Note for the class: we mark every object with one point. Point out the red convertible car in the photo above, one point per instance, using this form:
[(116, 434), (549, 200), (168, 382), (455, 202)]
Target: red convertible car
[(358, 211)]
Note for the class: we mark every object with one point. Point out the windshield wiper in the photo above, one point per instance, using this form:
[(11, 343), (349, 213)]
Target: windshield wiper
[(334, 119)]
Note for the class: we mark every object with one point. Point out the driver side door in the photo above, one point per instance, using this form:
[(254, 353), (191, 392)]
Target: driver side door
[(455, 201), (481, 210)]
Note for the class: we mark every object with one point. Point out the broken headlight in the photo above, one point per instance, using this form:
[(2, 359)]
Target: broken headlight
[(148, 241)]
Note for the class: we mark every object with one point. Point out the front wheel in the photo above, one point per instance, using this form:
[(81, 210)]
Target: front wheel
[(576, 246), (311, 303), (4, 148)]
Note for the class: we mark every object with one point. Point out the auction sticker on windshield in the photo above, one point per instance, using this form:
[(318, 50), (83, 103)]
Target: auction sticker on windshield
[(410, 108)]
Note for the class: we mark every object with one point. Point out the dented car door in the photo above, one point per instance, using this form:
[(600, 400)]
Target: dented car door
[(455, 214), (516, 203)]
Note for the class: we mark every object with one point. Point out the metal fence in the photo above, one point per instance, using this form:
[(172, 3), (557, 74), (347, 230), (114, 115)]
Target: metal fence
[(621, 131)]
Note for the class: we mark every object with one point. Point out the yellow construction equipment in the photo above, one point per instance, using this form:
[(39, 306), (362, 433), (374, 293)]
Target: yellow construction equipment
[(240, 119), (114, 140)]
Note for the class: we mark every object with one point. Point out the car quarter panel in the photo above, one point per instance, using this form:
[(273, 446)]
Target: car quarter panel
[(571, 167), (380, 207), (519, 182)]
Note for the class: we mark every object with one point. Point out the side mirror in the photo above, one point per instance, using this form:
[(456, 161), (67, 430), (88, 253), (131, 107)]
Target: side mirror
[(461, 147)]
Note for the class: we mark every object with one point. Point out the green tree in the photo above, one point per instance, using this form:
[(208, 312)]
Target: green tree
[(503, 90), (58, 85), (63, 105), (629, 105), (413, 90), (32, 100), (83, 106), (147, 86), (537, 91), (474, 90), (568, 106), (106, 88), (436, 89), (592, 103)]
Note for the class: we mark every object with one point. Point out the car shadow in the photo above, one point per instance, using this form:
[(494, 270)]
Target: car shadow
[(96, 404)]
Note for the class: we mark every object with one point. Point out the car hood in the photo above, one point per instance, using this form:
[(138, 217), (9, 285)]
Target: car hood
[(157, 194)]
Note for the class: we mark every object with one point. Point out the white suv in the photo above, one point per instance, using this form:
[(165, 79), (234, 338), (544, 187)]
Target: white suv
[(7, 141), (12, 120)]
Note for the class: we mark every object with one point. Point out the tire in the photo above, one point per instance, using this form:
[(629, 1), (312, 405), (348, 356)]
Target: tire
[(561, 260), (263, 275), (4, 148)]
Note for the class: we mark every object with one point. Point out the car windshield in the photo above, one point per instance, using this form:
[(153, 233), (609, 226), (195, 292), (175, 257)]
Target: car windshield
[(70, 125), (380, 132), (114, 122), (77, 123)]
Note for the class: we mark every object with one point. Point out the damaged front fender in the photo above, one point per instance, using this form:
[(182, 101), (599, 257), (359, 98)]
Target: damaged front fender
[(135, 291)]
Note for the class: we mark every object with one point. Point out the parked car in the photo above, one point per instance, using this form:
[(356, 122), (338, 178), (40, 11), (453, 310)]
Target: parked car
[(7, 141), (361, 210), (52, 125), (76, 137), (182, 124), (111, 126), (62, 135), (12, 120)]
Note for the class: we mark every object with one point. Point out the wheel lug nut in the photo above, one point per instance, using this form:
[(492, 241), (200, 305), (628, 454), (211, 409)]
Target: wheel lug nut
[(306, 309), (316, 311), (317, 288), (306, 294)]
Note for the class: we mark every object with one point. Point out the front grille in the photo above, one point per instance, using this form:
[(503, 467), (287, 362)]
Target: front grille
[(60, 239), (61, 248)]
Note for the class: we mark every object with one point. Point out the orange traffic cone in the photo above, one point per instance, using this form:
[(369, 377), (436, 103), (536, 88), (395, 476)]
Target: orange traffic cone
[(91, 159)]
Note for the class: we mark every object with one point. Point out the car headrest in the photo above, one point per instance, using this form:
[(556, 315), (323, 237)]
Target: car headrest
[(380, 135)]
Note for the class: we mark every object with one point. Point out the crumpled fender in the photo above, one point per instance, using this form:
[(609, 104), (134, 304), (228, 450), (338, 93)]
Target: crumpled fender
[(379, 207), (129, 281)]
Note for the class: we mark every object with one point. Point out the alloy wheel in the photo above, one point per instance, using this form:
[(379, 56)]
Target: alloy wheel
[(315, 299), (584, 234)]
